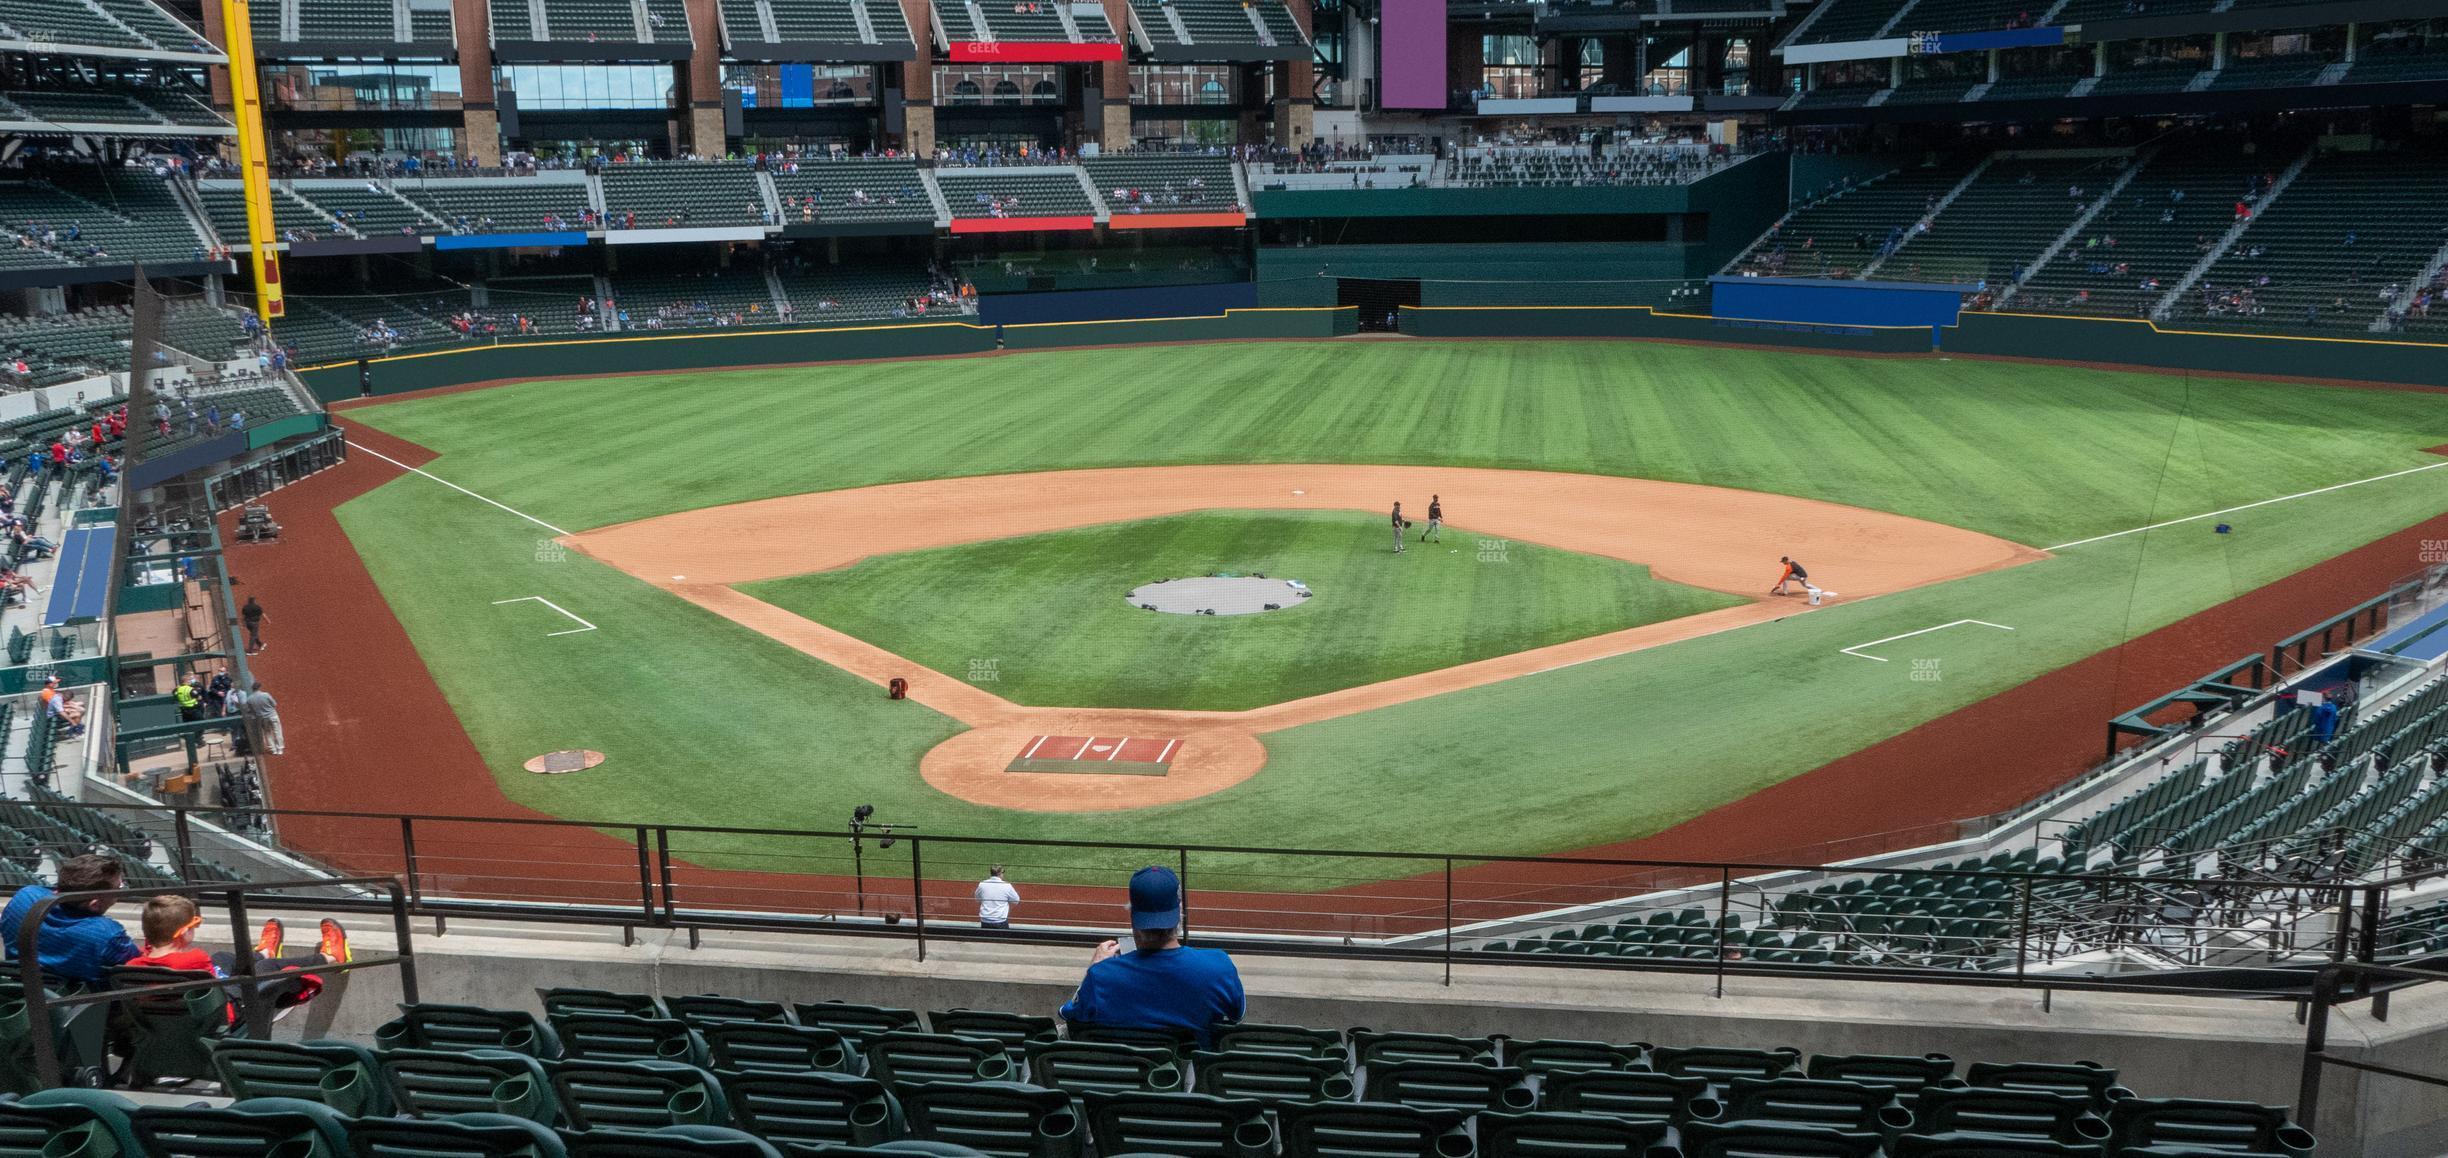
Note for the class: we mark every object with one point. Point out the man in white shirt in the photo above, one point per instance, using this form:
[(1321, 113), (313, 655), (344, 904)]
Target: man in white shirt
[(995, 897)]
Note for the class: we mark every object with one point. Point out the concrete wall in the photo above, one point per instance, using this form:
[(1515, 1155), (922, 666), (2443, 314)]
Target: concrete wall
[(2163, 1046)]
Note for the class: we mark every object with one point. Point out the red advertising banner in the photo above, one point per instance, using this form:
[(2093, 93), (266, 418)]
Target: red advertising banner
[(1126, 220), (1031, 52), (1019, 224)]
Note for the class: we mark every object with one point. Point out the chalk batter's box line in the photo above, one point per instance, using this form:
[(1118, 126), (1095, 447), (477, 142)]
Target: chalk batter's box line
[(1097, 755)]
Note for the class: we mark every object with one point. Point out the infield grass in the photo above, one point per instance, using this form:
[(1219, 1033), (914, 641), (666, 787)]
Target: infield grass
[(1604, 751), (1044, 618)]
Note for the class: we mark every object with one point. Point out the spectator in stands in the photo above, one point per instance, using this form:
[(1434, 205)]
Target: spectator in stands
[(67, 713), (76, 941), (995, 897), (252, 615), (1159, 984), (2324, 720), (170, 924)]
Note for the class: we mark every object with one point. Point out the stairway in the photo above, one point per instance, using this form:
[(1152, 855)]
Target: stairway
[(2106, 198), (2405, 298), (1933, 214), (2228, 239)]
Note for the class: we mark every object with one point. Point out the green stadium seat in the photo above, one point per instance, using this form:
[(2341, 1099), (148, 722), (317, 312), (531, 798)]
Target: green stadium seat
[(284, 1126), (636, 1095), (63, 1122), (622, 1037), (171, 1035), (453, 1136), (1080, 1067), (1370, 1130), (566, 1000), (1537, 1057), (1551, 1134), (703, 1010), (1441, 1085), (1271, 1078), (740, 1046), (1187, 1125), (1847, 1106), (2011, 1113), (341, 1074), (668, 1142), (1637, 1094), (78, 1034), (434, 1026), (1014, 1030), (1180, 1041), (2094, 1083), (1723, 1064), (856, 1023), (1986, 1146), (433, 1083), (908, 1057), (813, 1108), (1294, 1040), (1003, 1119), (1748, 1140), (1902, 1072), (2138, 1124), (1372, 1048)]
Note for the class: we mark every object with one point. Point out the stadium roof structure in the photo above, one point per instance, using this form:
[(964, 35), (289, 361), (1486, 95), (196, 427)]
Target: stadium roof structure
[(121, 29)]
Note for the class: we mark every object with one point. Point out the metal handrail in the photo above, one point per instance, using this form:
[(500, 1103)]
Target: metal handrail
[(258, 1016)]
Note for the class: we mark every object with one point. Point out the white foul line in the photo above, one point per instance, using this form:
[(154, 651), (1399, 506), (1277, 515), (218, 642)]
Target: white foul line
[(2249, 506), (1856, 651), (583, 625), (462, 490)]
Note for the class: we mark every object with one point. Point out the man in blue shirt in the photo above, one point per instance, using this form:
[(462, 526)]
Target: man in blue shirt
[(1159, 984), (76, 941)]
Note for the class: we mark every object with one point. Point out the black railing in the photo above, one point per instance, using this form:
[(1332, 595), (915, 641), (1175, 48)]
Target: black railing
[(255, 1012), (2344, 982), (2245, 937)]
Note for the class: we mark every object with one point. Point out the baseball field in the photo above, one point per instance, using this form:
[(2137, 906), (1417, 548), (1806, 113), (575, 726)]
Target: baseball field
[(707, 577)]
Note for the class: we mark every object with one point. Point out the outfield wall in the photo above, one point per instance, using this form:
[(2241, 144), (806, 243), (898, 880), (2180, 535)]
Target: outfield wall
[(2142, 343), (2104, 341), (730, 349), (1643, 322)]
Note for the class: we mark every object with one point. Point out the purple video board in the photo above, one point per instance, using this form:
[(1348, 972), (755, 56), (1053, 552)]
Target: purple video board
[(1411, 44)]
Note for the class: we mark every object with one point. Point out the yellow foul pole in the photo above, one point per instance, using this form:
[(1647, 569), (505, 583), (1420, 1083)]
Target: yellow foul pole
[(254, 162)]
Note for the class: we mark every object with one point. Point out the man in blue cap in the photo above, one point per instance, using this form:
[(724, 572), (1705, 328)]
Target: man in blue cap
[(1159, 984)]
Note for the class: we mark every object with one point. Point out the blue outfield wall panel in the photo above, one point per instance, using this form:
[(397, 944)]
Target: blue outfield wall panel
[(1172, 301), (1837, 303), (537, 240)]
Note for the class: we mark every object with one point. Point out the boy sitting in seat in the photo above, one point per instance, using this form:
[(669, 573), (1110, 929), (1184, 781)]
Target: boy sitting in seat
[(170, 924)]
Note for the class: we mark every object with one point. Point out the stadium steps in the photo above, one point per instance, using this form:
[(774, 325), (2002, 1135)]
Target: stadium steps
[(866, 24), (2081, 223), (1941, 208), (2405, 300), (2228, 240), (1897, 20)]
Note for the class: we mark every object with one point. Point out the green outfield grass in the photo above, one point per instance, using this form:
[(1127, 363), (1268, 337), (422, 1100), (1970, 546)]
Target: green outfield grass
[(1603, 751), (1045, 613)]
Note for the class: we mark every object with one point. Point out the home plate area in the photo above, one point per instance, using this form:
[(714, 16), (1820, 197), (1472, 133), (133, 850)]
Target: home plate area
[(1097, 755)]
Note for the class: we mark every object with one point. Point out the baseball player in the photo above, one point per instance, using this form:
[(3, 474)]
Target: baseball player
[(1436, 521), (1793, 573), (1399, 524)]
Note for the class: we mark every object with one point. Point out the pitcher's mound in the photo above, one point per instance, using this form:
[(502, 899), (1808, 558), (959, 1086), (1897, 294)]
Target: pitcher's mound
[(1219, 595)]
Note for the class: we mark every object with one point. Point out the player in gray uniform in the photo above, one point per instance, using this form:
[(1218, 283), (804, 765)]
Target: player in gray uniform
[(1398, 527), (1436, 521)]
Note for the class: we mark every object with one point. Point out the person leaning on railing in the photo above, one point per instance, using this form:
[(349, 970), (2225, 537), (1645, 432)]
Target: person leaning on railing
[(1160, 984)]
